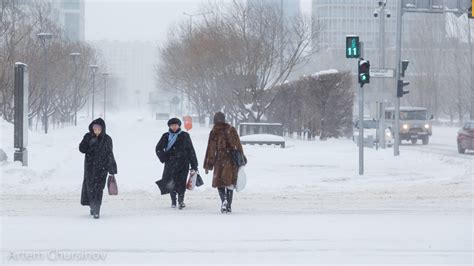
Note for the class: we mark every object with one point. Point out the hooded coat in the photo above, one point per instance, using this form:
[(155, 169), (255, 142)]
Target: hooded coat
[(99, 160), (223, 139), (178, 160)]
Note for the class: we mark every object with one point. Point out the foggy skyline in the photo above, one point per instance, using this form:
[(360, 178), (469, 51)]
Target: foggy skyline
[(122, 23)]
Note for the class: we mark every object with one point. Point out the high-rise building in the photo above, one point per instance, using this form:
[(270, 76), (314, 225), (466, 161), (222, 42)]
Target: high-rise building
[(335, 19), (66, 14), (71, 18)]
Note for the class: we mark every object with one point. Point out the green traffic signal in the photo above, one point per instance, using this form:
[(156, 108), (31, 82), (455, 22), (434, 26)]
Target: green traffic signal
[(352, 47), (364, 71)]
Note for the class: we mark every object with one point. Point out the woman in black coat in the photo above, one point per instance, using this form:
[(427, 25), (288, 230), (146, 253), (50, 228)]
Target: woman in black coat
[(176, 151), (99, 160)]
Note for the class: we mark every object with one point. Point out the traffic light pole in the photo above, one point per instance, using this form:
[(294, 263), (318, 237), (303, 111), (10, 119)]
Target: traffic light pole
[(396, 146), (381, 89), (472, 70), (361, 130)]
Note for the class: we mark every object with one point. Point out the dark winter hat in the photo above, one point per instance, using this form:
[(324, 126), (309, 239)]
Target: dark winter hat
[(174, 121), (219, 117)]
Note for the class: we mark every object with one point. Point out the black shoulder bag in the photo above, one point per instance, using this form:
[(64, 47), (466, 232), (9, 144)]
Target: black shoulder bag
[(237, 156)]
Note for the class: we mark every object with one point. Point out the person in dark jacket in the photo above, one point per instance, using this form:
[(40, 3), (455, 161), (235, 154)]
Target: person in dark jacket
[(223, 139), (99, 160), (175, 149)]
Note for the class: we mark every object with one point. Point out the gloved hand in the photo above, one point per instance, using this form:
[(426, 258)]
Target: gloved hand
[(93, 141)]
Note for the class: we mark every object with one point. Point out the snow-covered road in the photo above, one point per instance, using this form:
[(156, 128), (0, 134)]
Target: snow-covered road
[(303, 204)]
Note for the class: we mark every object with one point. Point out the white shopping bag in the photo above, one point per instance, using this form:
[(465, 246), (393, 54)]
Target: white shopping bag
[(241, 179), (191, 184)]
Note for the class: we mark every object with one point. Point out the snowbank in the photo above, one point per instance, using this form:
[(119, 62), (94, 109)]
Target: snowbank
[(263, 138)]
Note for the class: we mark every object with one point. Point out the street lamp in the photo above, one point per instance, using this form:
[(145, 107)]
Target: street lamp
[(74, 59), (191, 19), (105, 90), (44, 36), (190, 36), (381, 12), (93, 70)]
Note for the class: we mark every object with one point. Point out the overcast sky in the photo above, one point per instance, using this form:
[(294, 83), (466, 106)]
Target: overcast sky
[(143, 20)]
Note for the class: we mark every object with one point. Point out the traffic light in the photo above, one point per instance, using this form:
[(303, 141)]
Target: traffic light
[(364, 72), (404, 67), (352, 46), (400, 85), (470, 12)]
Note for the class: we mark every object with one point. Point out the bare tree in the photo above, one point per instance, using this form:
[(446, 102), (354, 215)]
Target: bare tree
[(21, 21), (235, 57)]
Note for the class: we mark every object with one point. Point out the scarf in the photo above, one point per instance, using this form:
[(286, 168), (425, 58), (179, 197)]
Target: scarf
[(172, 137)]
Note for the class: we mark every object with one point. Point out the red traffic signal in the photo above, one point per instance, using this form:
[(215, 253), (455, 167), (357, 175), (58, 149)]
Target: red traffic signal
[(364, 72)]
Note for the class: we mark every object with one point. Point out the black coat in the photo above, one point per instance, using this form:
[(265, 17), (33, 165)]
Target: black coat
[(99, 160), (178, 160)]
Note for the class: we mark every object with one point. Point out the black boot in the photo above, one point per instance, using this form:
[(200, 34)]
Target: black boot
[(92, 210), (181, 201), (230, 194), (173, 199), (223, 196), (97, 212)]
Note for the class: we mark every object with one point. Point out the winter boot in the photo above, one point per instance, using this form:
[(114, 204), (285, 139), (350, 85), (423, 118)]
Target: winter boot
[(173, 199), (97, 212), (92, 211), (230, 194), (223, 196), (181, 201)]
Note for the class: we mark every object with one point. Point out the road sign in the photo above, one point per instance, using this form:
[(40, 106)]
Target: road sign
[(382, 73)]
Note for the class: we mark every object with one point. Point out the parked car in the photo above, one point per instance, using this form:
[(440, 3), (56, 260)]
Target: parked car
[(370, 133), (465, 137)]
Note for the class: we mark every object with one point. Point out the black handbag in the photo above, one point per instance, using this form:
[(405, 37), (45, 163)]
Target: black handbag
[(165, 186), (238, 157), (199, 181)]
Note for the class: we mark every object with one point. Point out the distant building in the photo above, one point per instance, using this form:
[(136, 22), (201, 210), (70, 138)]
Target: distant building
[(335, 19), (71, 18), (132, 64)]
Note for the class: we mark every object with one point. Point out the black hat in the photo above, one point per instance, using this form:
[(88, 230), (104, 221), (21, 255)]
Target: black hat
[(219, 117), (174, 121)]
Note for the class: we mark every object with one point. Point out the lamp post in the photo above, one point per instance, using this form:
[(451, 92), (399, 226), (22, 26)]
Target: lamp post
[(93, 70), (105, 90), (74, 59), (44, 36), (381, 12), (471, 114), (190, 36)]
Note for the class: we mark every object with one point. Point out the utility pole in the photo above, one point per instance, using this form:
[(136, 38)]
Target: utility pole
[(471, 115), (74, 58), (396, 146), (381, 12), (105, 91), (93, 70), (45, 95), (190, 36)]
